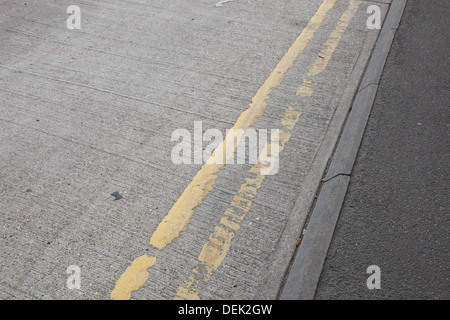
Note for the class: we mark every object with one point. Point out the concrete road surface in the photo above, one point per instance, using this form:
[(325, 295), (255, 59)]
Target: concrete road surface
[(93, 201)]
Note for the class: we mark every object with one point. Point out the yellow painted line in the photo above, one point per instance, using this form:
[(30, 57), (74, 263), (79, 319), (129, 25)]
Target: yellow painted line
[(180, 214), (133, 278), (305, 90), (202, 184), (325, 55), (214, 251)]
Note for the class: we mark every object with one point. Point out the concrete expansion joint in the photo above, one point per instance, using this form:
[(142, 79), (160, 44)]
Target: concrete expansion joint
[(335, 176), (383, 32), (368, 85)]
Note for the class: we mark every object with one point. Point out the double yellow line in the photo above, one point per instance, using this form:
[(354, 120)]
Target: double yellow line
[(176, 221)]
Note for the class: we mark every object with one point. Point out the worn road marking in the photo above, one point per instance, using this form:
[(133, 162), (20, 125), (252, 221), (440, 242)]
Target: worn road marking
[(220, 3), (334, 39), (180, 214), (214, 251), (305, 90), (133, 278), (202, 184)]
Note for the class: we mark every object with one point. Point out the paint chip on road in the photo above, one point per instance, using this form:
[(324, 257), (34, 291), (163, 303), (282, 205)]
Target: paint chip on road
[(220, 3)]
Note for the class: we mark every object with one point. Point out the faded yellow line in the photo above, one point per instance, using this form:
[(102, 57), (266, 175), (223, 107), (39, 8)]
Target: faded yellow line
[(202, 184), (180, 214), (215, 250), (324, 56), (334, 39), (133, 278), (305, 90)]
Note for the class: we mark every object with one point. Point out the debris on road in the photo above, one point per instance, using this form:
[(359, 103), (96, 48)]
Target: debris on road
[(116, 195)]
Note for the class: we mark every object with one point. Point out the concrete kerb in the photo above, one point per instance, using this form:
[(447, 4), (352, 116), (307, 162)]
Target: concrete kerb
[(302, 279)]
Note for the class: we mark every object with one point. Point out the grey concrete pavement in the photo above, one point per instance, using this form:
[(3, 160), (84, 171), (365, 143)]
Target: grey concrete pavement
[(396, 213), (86, 113)]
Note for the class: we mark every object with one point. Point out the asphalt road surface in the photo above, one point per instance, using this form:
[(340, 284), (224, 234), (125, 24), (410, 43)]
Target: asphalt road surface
[(396, 214)]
